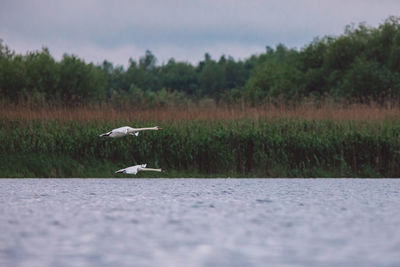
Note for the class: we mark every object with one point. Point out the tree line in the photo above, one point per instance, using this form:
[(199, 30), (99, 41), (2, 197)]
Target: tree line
[(360, 65)]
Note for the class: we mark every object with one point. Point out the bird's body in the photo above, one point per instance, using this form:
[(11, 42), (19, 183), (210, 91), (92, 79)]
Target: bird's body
[(135, 169), (126, 130)]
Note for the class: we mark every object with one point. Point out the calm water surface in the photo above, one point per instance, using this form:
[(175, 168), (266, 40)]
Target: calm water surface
[(199, 222)]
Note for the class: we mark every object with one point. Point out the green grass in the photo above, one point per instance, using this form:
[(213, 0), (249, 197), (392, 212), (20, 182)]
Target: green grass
[(234, 148)]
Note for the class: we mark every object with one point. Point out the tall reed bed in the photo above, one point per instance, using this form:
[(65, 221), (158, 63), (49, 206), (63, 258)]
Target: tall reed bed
[(239, 147), (205, 111)]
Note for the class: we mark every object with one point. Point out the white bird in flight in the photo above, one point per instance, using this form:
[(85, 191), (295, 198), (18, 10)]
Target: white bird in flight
[(137, 168), (126, 130)]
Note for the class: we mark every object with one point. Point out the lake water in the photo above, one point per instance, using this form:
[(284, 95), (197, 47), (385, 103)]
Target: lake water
[(199, 222)]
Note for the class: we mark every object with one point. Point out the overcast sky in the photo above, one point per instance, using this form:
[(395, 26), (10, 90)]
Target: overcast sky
[(117, 30)]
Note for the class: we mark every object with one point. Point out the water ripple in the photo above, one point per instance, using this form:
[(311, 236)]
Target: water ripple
[(199, 222)]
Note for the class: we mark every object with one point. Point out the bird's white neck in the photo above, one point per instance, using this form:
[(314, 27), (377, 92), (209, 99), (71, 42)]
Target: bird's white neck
[(143, 129), (151, 169)]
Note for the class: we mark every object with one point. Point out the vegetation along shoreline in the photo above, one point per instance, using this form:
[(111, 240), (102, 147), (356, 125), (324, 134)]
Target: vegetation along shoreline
[(215, 146), (329, 109)]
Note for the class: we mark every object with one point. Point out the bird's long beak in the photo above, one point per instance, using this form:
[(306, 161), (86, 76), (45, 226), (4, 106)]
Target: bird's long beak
[(159, 128)]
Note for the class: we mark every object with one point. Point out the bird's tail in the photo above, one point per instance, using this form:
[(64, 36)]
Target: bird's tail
[(105, 134)]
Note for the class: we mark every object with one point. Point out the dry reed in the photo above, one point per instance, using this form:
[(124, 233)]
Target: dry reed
[(212, 112)]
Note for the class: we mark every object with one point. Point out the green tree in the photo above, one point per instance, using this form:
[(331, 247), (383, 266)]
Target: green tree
[(80, 82), (144, 75), (179, 76), (210, 78), (41, 74), (368, 80)]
